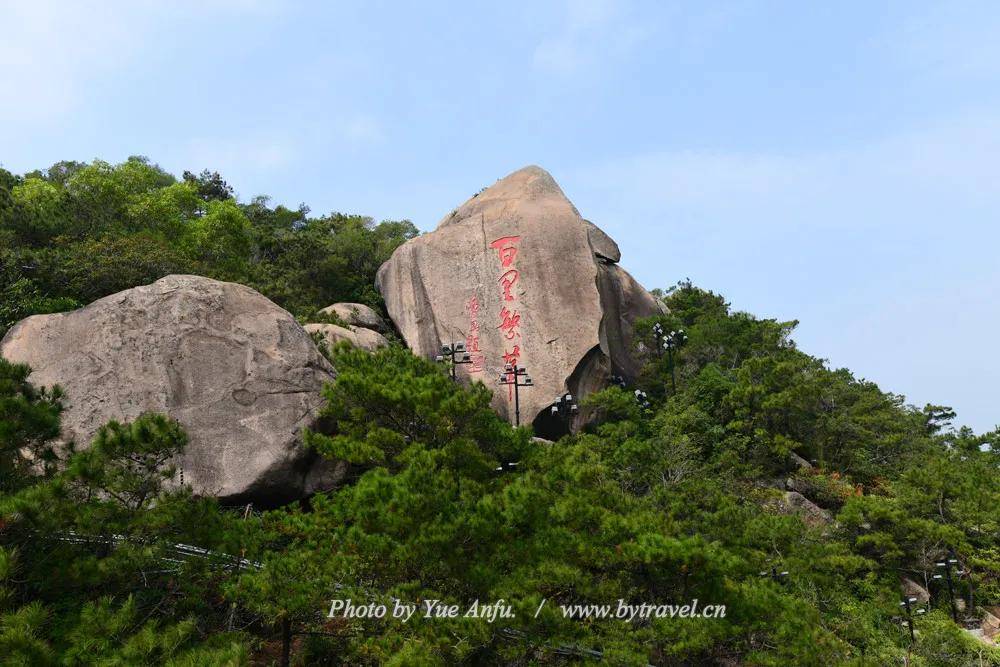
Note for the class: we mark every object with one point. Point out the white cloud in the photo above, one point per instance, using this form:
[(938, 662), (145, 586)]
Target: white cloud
[(957, 161), (263, 151), (886, 251), (54, 55), (594, 30), (951, 39), (363, 130), (247, 154), (49, 52)]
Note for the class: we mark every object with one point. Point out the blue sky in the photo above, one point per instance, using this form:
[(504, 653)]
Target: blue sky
[(837, 165)]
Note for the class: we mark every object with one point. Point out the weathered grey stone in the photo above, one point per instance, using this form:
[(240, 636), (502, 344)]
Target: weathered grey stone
[(799, 462), (332, 334), (623, 301), (239, 374), (811, 513), (517, 274), (912, 589), (991, 625), (602, 245), (358, 315)]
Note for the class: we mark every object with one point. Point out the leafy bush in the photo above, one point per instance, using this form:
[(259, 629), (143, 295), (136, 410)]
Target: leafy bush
[(77, 232), (443, 500)]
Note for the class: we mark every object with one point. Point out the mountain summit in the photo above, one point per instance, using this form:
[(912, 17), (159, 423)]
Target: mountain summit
[(519, 277)]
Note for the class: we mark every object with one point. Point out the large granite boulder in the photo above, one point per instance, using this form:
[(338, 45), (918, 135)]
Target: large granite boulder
[(357, 315), (912, 589), (518, 276), (239, 374), (331, 334), (812, 514)]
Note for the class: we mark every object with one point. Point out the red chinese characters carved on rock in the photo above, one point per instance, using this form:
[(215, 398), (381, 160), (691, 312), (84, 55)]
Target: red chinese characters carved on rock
[(510, 320), (512, 356), (472, 340), (506, 247), (510, 317), (507, 281)]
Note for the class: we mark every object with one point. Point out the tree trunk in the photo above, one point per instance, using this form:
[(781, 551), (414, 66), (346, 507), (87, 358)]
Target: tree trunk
[(286, 642)]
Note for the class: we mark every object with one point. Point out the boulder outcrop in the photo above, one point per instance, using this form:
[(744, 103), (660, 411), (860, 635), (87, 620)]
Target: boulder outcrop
[(520, 277), (357, 315), (811, 513), (366, 339), (911, 588), (238, 372)]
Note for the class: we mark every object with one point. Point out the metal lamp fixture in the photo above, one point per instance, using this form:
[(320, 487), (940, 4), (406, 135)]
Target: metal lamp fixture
[(774, 574), (565, 408), (516, 377), (669, 341), (946, 566), (910, 611), (456, 354), (641, 398)]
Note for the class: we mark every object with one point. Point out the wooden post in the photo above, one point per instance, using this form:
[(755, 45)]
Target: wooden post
[(286, 642)]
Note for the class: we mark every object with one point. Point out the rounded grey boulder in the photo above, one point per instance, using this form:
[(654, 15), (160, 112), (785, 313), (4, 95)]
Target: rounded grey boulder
[(238, 372), (357, 315), (518, 276), (331, 334)]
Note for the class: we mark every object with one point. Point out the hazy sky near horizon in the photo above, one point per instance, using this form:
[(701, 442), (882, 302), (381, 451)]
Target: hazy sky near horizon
[(838, 165)]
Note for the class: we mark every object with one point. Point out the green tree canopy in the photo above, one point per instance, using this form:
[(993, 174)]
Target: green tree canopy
[(76, 232)]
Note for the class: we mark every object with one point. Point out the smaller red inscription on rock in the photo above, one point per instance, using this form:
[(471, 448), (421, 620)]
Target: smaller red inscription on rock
[(472, 340)]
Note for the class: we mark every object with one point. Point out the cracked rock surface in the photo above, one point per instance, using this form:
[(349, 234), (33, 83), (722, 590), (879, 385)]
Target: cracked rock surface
[(516, 271), (366, 339), (238, 372), (357, 315)]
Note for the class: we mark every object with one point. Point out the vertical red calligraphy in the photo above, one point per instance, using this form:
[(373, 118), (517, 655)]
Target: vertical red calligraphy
[(510, 317), (472, 339)]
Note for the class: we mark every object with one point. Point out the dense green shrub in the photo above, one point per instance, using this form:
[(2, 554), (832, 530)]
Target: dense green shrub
[(443, 500), (76, 232)]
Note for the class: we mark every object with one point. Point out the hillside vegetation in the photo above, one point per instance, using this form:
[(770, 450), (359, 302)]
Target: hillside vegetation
[(76, 232), (102, 562)]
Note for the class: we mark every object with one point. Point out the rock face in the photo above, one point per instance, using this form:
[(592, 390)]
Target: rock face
[(811, 513), (518, 276), (911, 588), (991, 625), (239, 374), (357, 315), (332, 334), (799, 462)]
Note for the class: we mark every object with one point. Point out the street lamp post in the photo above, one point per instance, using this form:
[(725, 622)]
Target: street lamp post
[(669, 341), (946, 565), (456, 354), (658, 336), (774, 575), (516, 377), (565, 407), (641, 398), (906, 604)]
